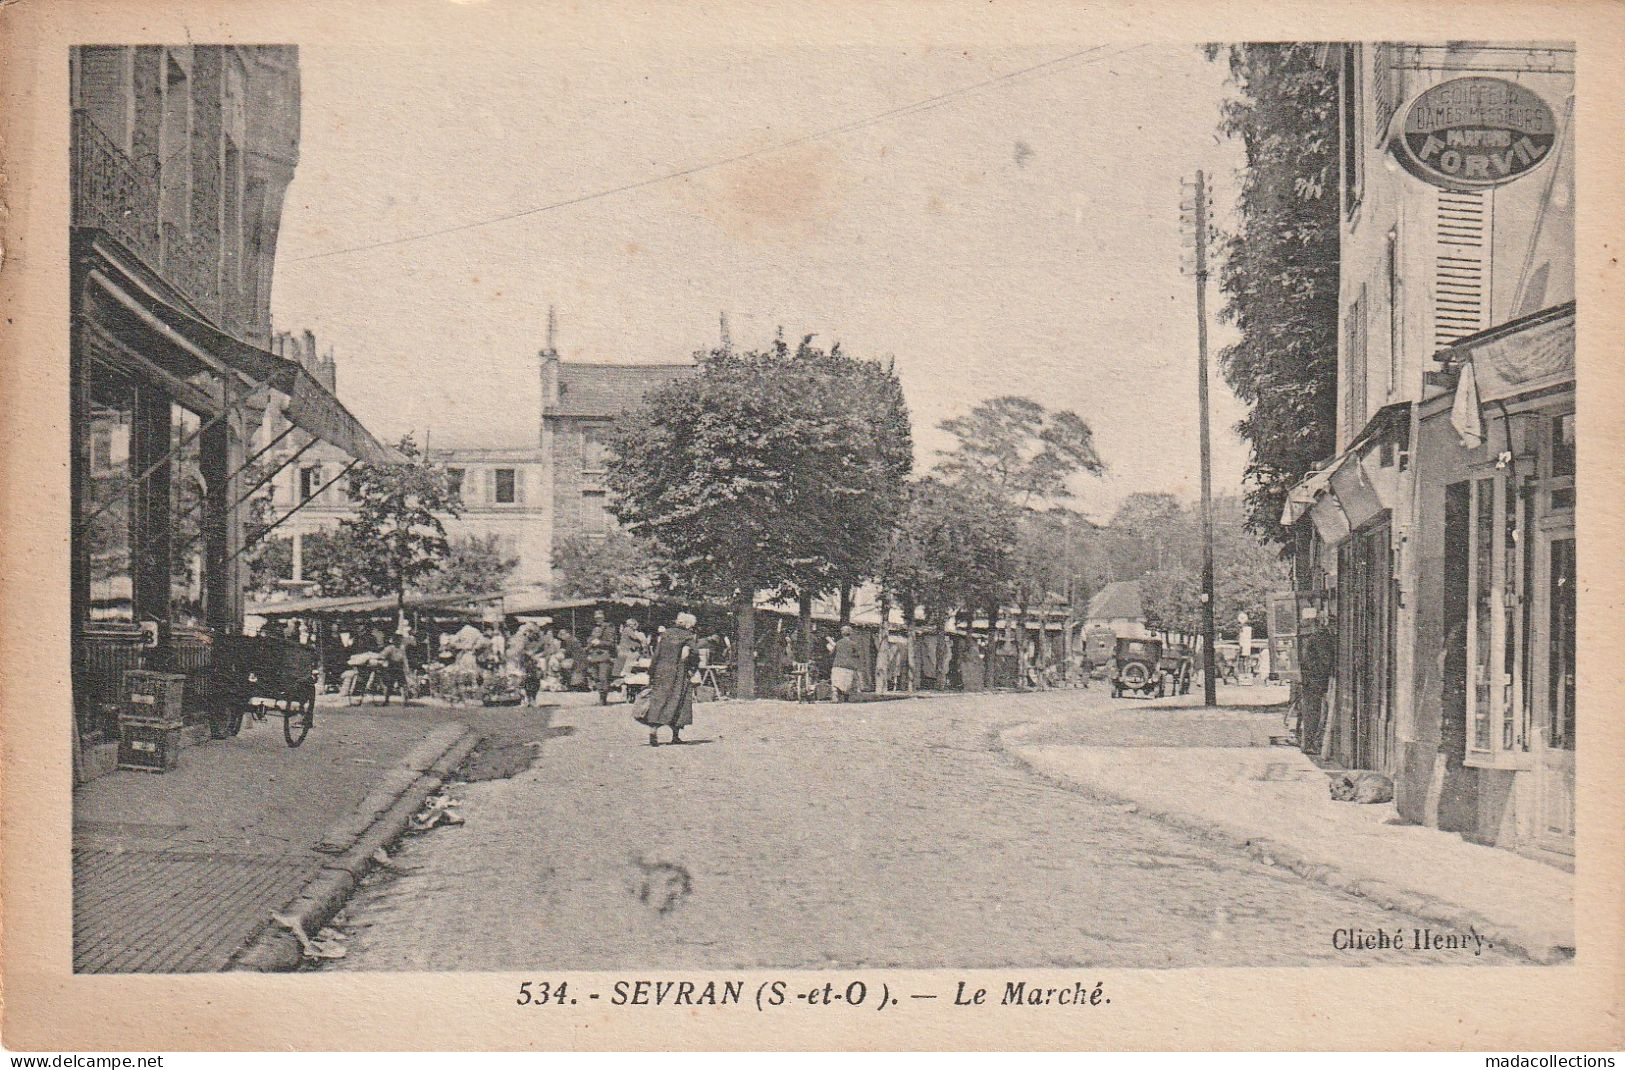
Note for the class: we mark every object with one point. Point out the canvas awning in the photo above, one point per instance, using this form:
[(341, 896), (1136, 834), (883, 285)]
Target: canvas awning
[(1357, 484), (360, 605), (1525, 356), (311, 406)]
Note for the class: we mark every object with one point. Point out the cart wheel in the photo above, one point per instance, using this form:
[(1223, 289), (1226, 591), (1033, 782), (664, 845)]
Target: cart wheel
[(296, 724)]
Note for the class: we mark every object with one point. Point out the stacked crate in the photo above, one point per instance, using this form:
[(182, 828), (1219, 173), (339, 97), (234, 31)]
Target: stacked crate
[(150, 722)]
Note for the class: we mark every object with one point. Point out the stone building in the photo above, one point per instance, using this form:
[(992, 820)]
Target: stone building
[(580, 402), (180, 159), (525, 498)]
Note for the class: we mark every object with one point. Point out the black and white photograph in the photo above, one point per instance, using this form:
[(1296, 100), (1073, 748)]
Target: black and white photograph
[(652, 523)]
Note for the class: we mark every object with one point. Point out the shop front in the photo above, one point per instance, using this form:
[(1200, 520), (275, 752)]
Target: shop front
[(1496, 600), (164, 410), (1351, 505)]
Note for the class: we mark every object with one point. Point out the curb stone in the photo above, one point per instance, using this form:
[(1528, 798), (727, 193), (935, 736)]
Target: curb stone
[(275, 949), (1271, 853), (395, 781)]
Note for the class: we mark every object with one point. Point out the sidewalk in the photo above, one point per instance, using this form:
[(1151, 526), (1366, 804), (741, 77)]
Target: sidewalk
[(1213, 772), (178, 872)]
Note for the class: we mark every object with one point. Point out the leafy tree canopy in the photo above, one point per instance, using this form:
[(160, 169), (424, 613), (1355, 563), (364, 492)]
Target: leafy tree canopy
[(473, 564), (1280, 269), (607, 566), (397, 534)]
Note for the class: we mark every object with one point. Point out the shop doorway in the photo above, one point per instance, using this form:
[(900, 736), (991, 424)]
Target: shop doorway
[(1366, 636), (1554, 674)]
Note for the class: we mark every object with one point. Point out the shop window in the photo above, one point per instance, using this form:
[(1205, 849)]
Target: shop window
[(1498, 730), (107, 498), (186, 505), (1560, 647), (505, 486), (1560, 463)]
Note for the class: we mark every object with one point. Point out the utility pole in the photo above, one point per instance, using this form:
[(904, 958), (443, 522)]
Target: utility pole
[(1197, 215)]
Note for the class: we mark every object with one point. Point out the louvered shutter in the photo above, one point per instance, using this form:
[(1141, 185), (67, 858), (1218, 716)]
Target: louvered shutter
[(1461, 265)]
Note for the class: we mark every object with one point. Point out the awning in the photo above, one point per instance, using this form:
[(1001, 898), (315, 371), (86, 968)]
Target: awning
[(1357, 484), (311, 406), (1525, 356)]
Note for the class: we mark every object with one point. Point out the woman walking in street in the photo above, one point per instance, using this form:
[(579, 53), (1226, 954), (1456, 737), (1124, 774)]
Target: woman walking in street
[(671, 691)]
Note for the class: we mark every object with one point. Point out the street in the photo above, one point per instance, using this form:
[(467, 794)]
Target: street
[(887, 834)]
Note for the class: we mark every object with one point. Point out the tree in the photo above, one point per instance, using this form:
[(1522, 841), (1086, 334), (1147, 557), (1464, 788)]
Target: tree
[(850, 485), (1172, 598), (473, 564), (330, 560), (1024, 456), (614, 564), (1280, 269), (948, 552), (1021, 449), (397, 534), (755, 474)]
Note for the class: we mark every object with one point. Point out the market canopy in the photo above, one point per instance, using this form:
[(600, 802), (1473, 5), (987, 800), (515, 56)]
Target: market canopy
[(362, 605)]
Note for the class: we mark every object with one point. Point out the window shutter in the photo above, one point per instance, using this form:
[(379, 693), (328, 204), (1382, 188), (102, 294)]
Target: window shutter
[(519, 485), (491, 484), (1461, 275)]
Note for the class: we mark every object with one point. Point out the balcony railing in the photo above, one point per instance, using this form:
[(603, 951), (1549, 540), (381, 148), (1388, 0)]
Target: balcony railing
[(192, 265), (112, 192), (121, 196)]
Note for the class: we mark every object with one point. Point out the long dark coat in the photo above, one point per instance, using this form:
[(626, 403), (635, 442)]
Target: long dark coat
[(671, 694)]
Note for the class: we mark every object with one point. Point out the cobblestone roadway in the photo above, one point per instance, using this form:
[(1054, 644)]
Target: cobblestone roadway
[(887, 834)]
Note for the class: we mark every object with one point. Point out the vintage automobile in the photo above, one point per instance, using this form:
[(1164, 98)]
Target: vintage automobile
[(1137, 668), (1178, 667), (1099, 647)]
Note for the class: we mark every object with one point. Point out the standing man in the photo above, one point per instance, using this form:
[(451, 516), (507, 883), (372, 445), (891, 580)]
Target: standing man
[(601, 646), (1316, 657), (847, 667)]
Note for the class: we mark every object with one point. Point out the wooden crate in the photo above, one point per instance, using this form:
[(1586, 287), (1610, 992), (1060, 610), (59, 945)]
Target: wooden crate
[(149, 748), (152, 697)]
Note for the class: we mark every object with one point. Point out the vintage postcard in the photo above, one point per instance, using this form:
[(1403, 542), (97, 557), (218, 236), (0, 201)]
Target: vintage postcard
[(810, 525)]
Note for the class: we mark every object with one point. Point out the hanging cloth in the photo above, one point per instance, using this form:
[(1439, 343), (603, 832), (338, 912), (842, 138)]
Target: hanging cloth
[(1465, 416)]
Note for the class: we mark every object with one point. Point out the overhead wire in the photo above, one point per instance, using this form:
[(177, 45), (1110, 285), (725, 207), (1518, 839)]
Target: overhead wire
[(1044, 69)]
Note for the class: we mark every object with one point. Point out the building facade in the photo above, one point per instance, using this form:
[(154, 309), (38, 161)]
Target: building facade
[(522, 499), (1440, 537), (181, 156), (580, 402)]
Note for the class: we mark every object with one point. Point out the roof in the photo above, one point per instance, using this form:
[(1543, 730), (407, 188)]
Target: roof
[(607, 390), (1119, 600)]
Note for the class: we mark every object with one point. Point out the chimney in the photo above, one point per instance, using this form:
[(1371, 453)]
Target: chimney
[(308, 358), (550, 362)]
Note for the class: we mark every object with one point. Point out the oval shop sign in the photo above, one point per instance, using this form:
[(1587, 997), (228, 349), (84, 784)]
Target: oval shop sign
[(1472, 133)]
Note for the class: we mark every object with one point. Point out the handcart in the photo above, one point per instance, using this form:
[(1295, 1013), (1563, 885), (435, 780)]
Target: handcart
[(260, 675)]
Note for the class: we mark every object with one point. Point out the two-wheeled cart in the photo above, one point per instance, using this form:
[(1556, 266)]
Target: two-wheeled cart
[(259, 676)]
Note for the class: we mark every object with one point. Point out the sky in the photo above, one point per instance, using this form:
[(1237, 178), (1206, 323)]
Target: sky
[(1017, 234)]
